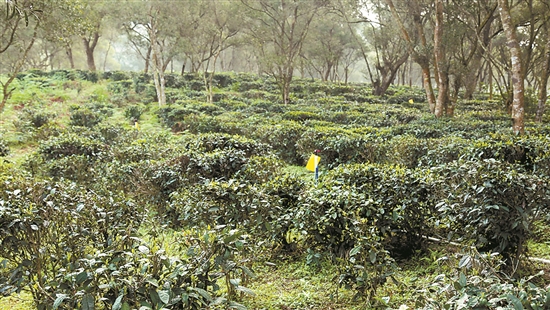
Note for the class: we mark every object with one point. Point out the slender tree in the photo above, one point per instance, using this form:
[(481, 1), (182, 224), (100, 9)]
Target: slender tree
[(518, 109), (544, 75), (418, 45), (17, 15), (442, 103), (278, 29)]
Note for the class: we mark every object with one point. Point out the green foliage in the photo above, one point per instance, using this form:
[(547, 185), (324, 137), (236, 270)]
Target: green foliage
[(491, 203), (478, 283), (4, 148), (282, 138), (47, 228), (209, 142), (391, 174), (134, 112), (77, 249), (300, 116), (86, 116), (68, 145), (392, 203), (35, 117), (339, 146)]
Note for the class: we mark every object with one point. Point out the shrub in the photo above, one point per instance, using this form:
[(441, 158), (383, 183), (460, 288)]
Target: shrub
[(479, 283), (403, 199), (261, 169), (209, 142), (219, 164), (339, 146), (490, 203), (406, 151), (530, 152), (72, 248), (84, 116), (48, 228), (134, 112), (70, 144), (282, 138), (300, 116), (4, 148), (35, 117), (232, 203)]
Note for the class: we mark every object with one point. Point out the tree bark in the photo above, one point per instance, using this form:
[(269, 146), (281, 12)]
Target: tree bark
[(147, 59), (89, 46), (541, 105), (387, 75), (442, 102), (69, 52), (518, 84), (472, 77), (158, 67), (421, 60)]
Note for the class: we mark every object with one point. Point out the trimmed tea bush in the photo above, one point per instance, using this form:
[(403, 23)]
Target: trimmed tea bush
[(4, 148), (491, 203)]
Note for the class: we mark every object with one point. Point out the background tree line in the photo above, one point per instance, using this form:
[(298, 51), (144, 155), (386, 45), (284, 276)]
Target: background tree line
[(454, 47)]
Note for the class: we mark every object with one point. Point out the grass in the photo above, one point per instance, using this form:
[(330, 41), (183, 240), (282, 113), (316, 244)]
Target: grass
[(21, 301)]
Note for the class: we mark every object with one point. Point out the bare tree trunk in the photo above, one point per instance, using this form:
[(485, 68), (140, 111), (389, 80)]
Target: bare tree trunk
[(89, 47), (209, 77), (441, 63), (427, 84), (518, 110), (106, 56), (69, 52), (147, 59), (543, 93), (158, 68)]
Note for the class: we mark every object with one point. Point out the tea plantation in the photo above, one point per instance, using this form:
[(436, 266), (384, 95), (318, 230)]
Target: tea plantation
[(108, 201)]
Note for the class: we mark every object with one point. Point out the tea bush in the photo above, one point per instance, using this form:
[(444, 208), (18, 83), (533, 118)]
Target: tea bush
[(405, 198), (4, 148), (72, 248), (282, 137), (479, 283), (134, 112), (264, 210), (70, 144), (339, 146), (35, 117), (209, 142), (84, 116), (261, 169), (47, 228), (491, 203), (530, 152)]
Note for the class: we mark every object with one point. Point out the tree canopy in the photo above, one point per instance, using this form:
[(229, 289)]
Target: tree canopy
[(450, 48)]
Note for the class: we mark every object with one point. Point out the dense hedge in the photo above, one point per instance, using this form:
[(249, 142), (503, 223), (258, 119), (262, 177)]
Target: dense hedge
[(491, 203)]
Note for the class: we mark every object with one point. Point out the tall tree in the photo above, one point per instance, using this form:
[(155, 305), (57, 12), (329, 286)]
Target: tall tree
[(212, 28), (417, 43), (278, 29), (95, 14), (442, 103), (544, 74), (518, 109), (390, 50), (328, 44), (15, 17), (471, 26)]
